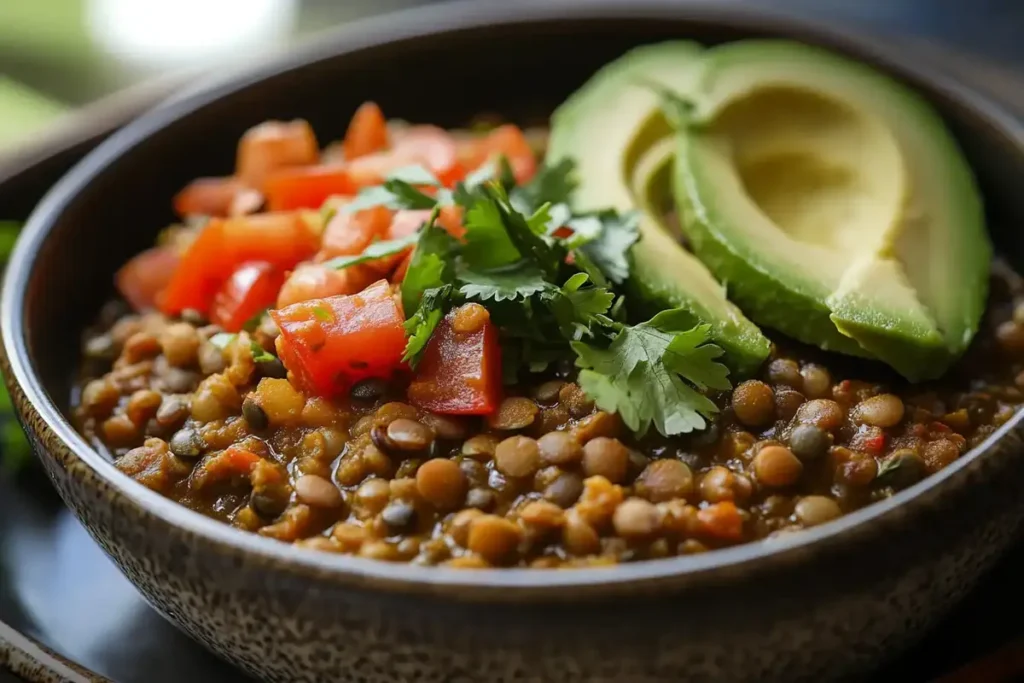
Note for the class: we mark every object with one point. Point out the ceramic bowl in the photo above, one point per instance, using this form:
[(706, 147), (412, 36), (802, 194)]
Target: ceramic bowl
[(824, 603)]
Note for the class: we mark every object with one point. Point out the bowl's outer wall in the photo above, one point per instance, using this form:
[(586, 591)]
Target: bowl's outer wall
[(831, 610)]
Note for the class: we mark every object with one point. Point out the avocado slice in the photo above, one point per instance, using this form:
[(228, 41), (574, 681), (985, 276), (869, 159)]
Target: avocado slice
[(834, 203), (614, 130)]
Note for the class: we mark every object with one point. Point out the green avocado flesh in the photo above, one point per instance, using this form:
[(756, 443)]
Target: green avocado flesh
[(614, 130), (834, 204)]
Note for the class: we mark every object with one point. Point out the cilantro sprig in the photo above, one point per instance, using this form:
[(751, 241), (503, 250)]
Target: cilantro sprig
[(548, 277)]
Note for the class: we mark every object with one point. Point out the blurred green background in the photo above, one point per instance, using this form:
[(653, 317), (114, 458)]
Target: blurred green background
[(56, 55)]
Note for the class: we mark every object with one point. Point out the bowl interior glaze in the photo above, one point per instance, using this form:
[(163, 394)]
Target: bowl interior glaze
[(441, 65)]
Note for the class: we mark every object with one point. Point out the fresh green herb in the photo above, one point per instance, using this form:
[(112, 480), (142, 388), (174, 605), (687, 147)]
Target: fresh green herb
[(222, 340), (519, 282), (323, 314), (399, 191), (430, 266), (422, 324), (551, 185), (609, 249), (374, 251), (253, 323), (551, 293), (260, 354), (633, 377)]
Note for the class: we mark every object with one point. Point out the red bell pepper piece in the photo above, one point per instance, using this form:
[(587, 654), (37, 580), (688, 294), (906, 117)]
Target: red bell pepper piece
[(459, 372), (306, 187)]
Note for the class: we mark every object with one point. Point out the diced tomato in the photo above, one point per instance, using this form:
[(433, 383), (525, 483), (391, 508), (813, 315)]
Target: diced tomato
[(252, 288), (450, 218), (306, 187), (367, 132), (233, 462), (507, 140), (459, 372), (875, 444), (315, 281), (144, 277), (940, 427), (428, 146), (281, 239), (721, 520), (328, 344), (207, 197), (274, 145), (347, 234)]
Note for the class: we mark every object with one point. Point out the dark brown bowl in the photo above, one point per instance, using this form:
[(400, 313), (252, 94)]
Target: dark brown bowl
[(820, 604)]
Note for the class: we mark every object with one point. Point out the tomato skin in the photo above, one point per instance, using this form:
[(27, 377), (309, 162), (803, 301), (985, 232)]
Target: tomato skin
[(367, 132), (141, 280), (507, 140), (273, 145), (459, 373), (306, 187), (207, 197), (281, 239), (329, 344), (316, 281), (428, 146), (252, 288), (347, 234)]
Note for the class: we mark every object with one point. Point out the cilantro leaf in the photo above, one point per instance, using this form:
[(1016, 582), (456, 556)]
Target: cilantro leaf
[(578, 309), (430, 265), (641, 376), (551, 184), (423, 323), (260, 354), (609, 251), (414, 175), (374, 251), (487, 242), (520, 282), (531, 245), (398, 191)]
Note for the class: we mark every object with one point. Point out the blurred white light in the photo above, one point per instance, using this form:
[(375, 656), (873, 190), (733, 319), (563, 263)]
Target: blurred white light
[(171, 33)]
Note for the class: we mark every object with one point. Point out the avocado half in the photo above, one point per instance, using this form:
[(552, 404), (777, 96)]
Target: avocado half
[(834, 203), (614, 130)]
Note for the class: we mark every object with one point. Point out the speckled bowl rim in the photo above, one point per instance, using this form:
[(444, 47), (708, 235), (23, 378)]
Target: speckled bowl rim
[(497, 584)]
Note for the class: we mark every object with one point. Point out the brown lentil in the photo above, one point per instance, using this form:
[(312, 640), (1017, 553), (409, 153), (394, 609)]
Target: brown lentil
[(754, 403), (884, 410), (517, 456), (720, 484), (493, 538), (815, 510), (317, 492), (606, 458), (636, 519), (441, 483), (513, 413), (559, 448), (786, 372), (776, 466), (820, 412), (409, 435), (664, 480)]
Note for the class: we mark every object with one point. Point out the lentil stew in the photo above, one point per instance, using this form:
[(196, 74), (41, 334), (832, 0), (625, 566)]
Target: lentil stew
[(331, 441)]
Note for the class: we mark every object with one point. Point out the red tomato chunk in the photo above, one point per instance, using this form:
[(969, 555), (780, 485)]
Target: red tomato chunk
[(460, 372), (328, 344), (252, 288)]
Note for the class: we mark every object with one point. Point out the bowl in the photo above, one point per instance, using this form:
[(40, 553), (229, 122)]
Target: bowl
[(825, 603)]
